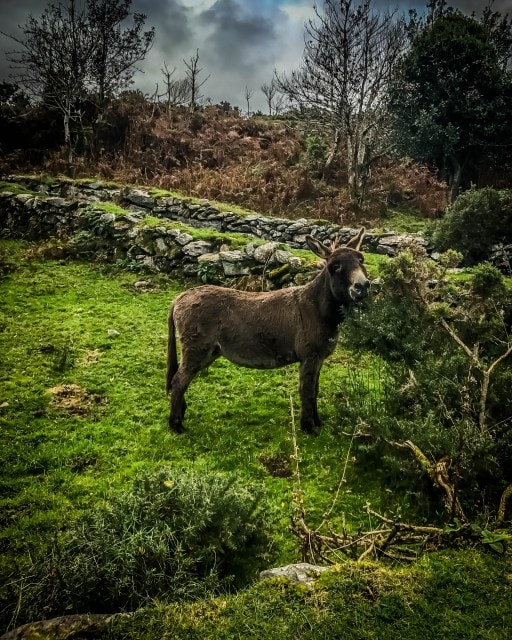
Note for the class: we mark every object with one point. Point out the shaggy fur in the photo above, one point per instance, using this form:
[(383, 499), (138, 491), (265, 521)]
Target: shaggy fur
[(266, 330)]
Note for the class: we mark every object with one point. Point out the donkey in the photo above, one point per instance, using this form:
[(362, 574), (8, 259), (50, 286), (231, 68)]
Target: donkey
[(265, 330)]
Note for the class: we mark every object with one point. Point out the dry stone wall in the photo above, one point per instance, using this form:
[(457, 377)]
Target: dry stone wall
[(84, 227), (170, 234)]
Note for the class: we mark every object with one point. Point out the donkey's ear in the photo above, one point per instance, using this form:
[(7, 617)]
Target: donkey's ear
[(357, 240), (317, 247)]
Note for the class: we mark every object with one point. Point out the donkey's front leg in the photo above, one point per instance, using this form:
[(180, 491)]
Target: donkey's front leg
[(309, 374)]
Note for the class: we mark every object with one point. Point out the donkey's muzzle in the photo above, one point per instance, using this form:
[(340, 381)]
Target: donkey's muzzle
[(360, 289)]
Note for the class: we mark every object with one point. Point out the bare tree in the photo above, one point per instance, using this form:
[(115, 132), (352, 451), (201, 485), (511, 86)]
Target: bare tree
[(176, 90), (275, 99), (192, 72), (248, 95), (71, 54), (350, 52), (52, 63)]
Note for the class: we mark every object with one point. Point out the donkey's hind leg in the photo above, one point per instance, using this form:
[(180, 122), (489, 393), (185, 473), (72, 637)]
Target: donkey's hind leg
[(180, 382), (191, 364)]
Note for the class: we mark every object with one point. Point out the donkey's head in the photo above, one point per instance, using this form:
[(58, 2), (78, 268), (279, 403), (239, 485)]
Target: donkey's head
[(348, 279)]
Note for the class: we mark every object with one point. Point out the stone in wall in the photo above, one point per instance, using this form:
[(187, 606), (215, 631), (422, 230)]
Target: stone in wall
[(196, 248)]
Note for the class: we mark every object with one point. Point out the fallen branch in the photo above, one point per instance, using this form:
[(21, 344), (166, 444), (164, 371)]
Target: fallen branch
[(393, 539), (438, 473), (503, 505), (63, 628)]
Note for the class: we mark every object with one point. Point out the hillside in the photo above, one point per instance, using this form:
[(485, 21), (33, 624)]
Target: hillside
[(269, 165), (85, 440)]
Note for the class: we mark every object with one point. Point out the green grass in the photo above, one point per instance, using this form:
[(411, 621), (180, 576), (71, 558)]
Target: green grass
[(110, 207), (55, 318), (221, 206), (106, 184), (404, 222), (72, 323), (450, 595), (15, 188), (234, 240)]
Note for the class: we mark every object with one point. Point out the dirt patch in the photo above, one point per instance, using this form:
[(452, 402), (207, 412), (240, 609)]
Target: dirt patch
[(278, 465), (90, 357), (74, 400)]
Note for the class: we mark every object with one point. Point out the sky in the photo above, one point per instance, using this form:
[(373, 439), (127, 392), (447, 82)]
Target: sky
[(240, 42)]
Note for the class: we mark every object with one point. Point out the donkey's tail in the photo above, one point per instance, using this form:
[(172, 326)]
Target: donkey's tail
[(172, 355)]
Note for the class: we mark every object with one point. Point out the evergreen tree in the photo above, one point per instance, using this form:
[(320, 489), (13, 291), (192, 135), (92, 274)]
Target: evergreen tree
[(451, 98)]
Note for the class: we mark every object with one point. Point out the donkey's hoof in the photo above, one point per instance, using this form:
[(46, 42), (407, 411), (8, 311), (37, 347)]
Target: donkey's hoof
[(309, 426), (176, 426)]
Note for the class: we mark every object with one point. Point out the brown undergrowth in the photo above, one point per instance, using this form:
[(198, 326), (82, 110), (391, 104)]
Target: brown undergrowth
[(272, 166), (73, 399)]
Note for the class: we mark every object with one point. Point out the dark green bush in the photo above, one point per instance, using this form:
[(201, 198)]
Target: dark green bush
[(176, 535), (431, 386), (477, 220)]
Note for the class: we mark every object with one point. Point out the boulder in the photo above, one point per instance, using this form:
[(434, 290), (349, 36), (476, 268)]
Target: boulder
[(265, 252), (300, 573), (231, 256), (235, 268), (139, 198), (184, 238)]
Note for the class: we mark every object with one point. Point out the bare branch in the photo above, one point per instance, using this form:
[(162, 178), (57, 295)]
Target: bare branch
[(349, 55)]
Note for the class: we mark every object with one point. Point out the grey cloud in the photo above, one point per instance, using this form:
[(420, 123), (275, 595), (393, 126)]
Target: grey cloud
[(240, 38), (468, 6), (238, 46), (171, 21), (14, 14), (240, 42)]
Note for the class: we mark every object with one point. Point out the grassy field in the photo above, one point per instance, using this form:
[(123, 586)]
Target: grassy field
[(83, 412)]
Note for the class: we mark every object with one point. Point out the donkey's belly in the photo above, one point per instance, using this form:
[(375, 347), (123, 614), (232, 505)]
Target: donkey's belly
[(260, 352)]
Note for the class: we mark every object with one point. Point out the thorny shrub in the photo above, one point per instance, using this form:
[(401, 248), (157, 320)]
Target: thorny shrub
[(176, 535), (438, 336)]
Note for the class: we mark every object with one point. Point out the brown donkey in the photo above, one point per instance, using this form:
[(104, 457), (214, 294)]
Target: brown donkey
[(266, 330)]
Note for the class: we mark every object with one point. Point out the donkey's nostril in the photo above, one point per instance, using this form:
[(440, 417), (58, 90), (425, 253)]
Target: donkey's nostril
[(361, 288)]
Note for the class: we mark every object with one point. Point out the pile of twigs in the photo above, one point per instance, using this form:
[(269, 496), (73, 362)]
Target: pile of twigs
[(391, 538)]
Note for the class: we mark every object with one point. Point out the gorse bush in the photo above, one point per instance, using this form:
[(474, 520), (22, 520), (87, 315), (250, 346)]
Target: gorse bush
[(176, 535), (446, 383), (477, 220)]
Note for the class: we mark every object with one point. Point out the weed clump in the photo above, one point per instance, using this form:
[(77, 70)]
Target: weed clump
[(176, 535)]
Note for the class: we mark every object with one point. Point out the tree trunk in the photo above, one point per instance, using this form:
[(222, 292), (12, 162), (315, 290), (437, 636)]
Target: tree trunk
[(358, 167), (67, 137), (456, 176), (330, 158)]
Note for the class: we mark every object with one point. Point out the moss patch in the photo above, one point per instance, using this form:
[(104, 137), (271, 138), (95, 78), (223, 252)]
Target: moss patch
[(447, 595)]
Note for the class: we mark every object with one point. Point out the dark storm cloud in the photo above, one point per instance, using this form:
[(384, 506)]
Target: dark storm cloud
[(239, 45), (240, 48), (239, 37), (13, 15), (468, 6), (172, 22), (240, 42)]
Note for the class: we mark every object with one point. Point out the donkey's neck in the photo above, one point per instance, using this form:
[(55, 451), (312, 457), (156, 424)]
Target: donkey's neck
[(331, 309)]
